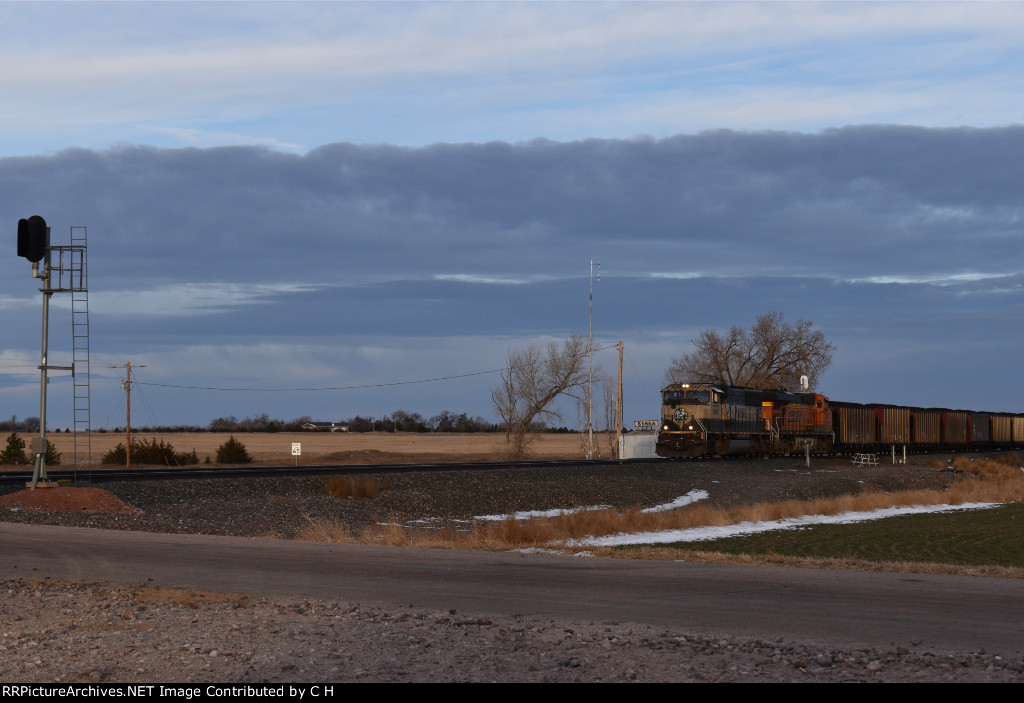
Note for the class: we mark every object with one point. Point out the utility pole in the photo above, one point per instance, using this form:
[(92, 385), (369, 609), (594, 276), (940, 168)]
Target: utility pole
[(590, 388), (618, 407), (126, 385)]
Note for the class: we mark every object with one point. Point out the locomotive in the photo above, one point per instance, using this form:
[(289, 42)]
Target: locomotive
[(707, 419)]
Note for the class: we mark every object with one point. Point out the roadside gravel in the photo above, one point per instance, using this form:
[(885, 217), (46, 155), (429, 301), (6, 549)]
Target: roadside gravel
[(88, 633)]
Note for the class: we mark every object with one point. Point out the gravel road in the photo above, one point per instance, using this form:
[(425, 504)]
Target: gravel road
[(86, 632), (93, 632)]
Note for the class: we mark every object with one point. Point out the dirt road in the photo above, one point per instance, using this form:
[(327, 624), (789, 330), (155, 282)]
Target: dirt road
[(320, 613)]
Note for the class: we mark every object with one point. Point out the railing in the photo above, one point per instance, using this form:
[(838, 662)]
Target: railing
[(703, 430)]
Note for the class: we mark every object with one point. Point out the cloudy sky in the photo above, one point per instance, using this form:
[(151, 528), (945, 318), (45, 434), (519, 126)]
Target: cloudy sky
[(344, 197)]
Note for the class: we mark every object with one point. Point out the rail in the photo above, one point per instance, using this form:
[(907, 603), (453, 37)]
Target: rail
[(17, 479)]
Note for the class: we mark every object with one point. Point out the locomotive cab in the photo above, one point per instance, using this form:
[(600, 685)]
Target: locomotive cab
[(690, 405), (701, 418)]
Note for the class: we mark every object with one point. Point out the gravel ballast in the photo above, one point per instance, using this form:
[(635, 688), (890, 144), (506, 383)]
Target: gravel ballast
[(284, 507)]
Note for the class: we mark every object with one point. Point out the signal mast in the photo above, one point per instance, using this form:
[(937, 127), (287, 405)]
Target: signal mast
[(71, 277)]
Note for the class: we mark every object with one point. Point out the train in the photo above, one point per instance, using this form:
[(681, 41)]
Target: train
[(708, 419)]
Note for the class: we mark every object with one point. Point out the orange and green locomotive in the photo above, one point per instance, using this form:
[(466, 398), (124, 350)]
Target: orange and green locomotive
[(707, 419), (700, 419)]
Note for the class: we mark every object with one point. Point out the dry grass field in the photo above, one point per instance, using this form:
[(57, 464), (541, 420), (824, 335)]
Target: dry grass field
[(978, 480), (345, 447)]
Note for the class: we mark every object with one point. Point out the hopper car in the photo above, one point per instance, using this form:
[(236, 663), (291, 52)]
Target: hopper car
[(707, 419)]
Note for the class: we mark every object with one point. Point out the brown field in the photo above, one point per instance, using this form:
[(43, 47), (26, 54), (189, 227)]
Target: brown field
[(343, 447)]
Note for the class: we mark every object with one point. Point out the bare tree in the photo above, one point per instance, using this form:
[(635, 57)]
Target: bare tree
[(772, 354), (535, 377)]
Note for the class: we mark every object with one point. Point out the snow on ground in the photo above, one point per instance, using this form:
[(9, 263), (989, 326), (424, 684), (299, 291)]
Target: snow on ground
[(530, 514), (700, 534), (747, 528), (691, 497)]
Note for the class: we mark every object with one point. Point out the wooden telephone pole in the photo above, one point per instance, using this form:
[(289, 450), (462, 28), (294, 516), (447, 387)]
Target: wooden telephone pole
[(127, 386)]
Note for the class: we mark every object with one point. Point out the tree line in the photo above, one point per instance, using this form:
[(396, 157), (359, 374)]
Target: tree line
[(397, 421), (29, 424)]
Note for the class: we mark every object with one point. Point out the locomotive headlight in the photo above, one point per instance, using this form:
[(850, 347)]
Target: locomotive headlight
[(691, 427), (665, 427)]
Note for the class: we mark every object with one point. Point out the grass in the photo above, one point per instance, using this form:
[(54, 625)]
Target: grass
[(345, 487), (988, 480), (991, 539)]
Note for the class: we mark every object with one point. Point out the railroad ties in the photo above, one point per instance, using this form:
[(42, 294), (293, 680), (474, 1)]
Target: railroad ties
[(865, 460)]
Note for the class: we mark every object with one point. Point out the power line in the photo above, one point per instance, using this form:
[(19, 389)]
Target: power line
[(343, 388), (12, 365)]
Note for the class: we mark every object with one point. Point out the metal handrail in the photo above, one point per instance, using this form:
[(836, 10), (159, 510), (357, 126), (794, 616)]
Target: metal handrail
[(703, 430)]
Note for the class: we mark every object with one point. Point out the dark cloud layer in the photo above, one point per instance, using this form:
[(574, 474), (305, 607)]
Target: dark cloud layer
[(244, 212), (903, 244)]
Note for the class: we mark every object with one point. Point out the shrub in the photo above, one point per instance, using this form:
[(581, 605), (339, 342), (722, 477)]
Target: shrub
[(52, 455), (152, 452), (149, 452), (14, 453), (232, 452), (118, 455)]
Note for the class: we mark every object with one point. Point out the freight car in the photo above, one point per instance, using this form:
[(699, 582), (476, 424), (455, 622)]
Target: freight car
[(702, 419)]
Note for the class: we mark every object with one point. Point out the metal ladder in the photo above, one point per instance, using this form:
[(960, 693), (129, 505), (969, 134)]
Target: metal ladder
[(80, 348)]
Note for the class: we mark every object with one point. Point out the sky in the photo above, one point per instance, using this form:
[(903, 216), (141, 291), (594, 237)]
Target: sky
[(318, 205)]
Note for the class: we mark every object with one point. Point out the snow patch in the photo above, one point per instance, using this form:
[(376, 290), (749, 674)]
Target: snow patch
[(530, 514), (691, 497), (699, 534)]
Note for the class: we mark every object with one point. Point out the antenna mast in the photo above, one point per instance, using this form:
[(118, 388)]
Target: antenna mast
[(590, 387)]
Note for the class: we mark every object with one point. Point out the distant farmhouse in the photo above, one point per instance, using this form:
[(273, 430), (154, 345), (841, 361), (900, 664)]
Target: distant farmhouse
[(325, 427)]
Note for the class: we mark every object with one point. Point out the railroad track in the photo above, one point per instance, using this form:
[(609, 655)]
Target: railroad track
[(107, 475), (89, 476)]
